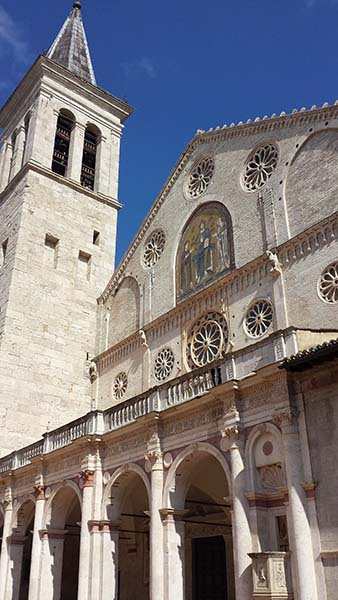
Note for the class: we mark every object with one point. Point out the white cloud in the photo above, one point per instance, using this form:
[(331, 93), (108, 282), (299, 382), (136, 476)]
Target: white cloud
[(141, 66), (10, 35)]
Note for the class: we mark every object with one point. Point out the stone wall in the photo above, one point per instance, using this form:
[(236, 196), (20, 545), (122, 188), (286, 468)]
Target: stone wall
[(321, 409), (50, 323)]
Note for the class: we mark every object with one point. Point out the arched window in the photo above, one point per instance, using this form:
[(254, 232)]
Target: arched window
[(91, 139), (65, 124), (206, 251)]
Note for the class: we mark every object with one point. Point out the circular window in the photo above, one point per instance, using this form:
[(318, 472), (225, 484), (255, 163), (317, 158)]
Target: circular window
[(259, 318), (200, 177), (164, 364), (207, 340), (260, 166), (328, 284), (207, 343), (153, 248), (120, 385)]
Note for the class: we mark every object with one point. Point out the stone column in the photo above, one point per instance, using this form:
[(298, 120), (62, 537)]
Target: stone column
[(16, 545), (34, 577), (300, 533), (18, 151), (174, 554), (4, 557), (110, 560), (51, 563), (87, 506), (75, 152), (5, 164), (242, 543), (154, 462)]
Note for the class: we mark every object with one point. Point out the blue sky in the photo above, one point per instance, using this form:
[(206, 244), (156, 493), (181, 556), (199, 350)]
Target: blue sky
[(184, 65)]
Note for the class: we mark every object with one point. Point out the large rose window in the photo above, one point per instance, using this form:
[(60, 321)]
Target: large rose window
[(207, 340)]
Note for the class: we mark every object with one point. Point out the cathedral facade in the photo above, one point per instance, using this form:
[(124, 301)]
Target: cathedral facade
[(169, 429)]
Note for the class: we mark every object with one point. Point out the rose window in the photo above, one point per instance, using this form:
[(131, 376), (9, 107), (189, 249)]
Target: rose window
[(208, 340), (154, 248), (200, 177), (164, 364), (260, 167), (259, 318), (120, 385), (328, 284)]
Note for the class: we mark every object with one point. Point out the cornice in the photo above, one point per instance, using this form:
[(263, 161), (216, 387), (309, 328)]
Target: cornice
[(46, 67), (37, 168), (84, 88), (264, 125)]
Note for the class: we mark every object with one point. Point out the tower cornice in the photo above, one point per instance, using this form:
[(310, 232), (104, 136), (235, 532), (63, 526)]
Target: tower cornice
[(45, 67)]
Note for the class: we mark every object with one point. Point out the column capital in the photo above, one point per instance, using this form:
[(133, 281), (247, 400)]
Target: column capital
[(286, 420), (106, 526), (16, 539), (52, 534), (232, 437), (94, 526), (153, 459), (39, 492), (309, 488), (173, 515), (87, 478)]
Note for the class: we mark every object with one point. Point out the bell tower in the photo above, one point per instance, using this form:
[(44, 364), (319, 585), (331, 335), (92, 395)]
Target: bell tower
[(59, 168)]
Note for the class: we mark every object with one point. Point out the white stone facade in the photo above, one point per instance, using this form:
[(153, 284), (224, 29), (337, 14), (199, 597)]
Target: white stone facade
[(158, 440)]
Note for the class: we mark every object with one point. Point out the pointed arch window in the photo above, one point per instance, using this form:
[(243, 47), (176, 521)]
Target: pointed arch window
[(65, 124), (91, 140)]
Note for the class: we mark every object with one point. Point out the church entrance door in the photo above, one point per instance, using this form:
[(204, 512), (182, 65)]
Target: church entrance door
[(209, 580)]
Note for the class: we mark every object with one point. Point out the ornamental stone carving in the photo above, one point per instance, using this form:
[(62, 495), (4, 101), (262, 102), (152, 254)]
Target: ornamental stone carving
[(328, 284), (272, 477), (200, 177), (260, 166), (164, 364), (153, 249), (258, 318), (120, 385), (208, 340)]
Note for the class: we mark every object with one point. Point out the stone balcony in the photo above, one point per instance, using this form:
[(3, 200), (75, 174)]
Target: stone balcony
[(189, 386)]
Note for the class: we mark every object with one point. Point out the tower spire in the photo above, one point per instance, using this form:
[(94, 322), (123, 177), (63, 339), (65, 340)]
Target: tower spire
[(70, 48)]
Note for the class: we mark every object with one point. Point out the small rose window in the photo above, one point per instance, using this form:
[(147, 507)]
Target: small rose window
[(120, 385), (260, 166), (328, 284), (200, 177), (153, 248), (258, 318)]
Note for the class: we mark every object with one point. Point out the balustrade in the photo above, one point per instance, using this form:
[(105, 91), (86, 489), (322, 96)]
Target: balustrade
[(183, 389)]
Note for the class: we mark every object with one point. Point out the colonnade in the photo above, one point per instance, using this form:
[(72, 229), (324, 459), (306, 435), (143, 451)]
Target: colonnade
[(141, 516)]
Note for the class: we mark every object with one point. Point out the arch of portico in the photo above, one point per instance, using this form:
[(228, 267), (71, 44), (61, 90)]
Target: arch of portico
[(198, 530), (60, 535), (19, 548), (126, 546)]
